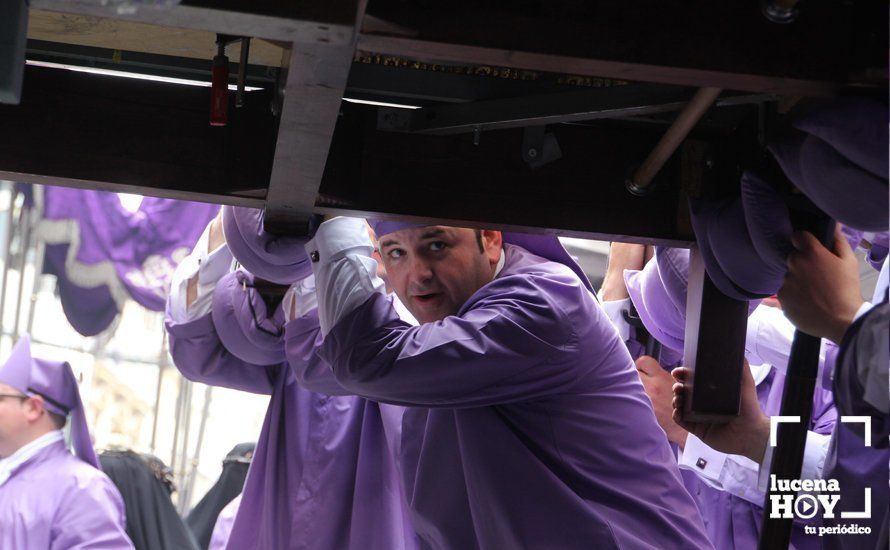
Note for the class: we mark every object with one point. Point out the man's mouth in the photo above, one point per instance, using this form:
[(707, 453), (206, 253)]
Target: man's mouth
[(427, 298)]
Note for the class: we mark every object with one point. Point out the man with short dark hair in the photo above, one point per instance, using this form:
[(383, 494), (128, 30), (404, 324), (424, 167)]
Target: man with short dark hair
[(50, 498), (528, 426)]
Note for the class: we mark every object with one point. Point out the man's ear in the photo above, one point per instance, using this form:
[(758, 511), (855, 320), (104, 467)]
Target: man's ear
[(492, 242), (34, 408)]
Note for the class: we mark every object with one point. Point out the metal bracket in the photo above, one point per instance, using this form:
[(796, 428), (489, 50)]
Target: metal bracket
[(780, 11), (539, 147)]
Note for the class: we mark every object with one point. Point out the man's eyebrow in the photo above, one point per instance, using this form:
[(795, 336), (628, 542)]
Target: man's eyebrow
[(433, 233), (387, 242)]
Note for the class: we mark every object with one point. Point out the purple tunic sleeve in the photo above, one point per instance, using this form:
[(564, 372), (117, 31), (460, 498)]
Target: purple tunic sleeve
[(510, 342), (91, 518), (302, 342), (200, 356), (239, 345)]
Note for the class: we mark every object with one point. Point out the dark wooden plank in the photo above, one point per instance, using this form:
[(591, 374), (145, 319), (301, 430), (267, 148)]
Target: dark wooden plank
[(149, 137), (450, 180), (153, 138), (687, 42), (714, 347)]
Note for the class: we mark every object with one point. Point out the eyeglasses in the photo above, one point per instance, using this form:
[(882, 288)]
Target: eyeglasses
[(14, 395)]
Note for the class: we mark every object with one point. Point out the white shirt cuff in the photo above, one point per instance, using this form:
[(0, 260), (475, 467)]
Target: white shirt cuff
[(209, 267), (614, 310), (734, 474), (214, 264), (345, 273), (814, 455), (176, 300), (701, 459), (300, 299)]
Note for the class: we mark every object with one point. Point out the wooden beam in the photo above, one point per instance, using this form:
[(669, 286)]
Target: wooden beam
[(114, 34), (449, 180), (153, 138), (307, 21), (698, 43), (99, 132), (316, 76)]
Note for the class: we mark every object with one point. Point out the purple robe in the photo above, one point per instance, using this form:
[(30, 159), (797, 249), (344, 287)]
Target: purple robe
[(529, 427), (855, 466), (733, 522), (57, 501), (323, 476)]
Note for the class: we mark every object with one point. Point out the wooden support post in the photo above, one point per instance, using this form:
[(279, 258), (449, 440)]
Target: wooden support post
[(714, 347)]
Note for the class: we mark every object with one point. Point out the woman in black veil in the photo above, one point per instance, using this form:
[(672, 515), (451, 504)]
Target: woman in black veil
[(202, 518), (145, 483)]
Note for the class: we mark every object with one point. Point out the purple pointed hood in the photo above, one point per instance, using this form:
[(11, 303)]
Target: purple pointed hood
[(56, 383)]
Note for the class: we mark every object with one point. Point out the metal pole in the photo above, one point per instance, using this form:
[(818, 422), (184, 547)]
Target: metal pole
[(162, 365), (196, 459), (7, 252), (25, 222), (176, 421), (39, 249), (187, 412), (242, 71), (684, 123), (797, 400)]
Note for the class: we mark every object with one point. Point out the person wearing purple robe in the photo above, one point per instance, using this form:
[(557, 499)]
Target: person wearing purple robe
[(725, 486), (323, 475), (824, 299), (219, 539), (527, 425), (50, 498), (821, 295)]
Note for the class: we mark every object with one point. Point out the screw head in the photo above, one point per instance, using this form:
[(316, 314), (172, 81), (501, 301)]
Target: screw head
[(532, 153)]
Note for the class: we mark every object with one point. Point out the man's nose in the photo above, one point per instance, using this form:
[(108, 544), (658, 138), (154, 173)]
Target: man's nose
[(420, 270)]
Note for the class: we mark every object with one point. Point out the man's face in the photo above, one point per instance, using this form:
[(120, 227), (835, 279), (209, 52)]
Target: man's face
[(13, 421), (434, 270)]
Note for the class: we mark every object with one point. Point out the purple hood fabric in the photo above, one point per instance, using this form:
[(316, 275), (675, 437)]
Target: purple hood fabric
[(658, 293), (243, 323), (281, 260), (56, 383), (839, 160)]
